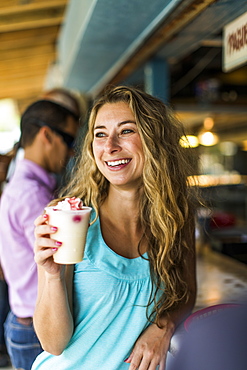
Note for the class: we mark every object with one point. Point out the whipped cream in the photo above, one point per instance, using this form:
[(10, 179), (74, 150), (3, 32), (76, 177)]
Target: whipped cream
[(69, 204)]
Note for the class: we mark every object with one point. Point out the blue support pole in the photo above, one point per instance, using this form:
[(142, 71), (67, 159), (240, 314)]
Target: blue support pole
[(157, 78)]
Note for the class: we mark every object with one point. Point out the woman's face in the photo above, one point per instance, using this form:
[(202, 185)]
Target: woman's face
[(117, 146)]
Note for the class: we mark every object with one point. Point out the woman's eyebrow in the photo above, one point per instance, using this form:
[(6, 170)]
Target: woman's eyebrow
[(127, 121), (119, 124), (99, 127)]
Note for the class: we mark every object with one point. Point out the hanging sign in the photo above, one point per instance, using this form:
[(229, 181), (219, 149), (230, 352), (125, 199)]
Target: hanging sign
[(235, 43)]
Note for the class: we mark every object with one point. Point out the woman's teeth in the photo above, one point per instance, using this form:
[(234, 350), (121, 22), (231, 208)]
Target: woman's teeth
[(117, 163)]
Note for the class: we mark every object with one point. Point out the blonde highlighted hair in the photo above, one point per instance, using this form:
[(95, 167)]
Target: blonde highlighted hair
[(166, 203)]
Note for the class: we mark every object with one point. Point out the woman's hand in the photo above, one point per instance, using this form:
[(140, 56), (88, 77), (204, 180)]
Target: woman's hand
[(45, 247), (151, 348), (54, 280)]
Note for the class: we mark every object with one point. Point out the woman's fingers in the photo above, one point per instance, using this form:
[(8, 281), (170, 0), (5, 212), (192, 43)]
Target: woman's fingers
[(44, 229), (163, 363), (150, 349), (42, 255), (141, 362), (40, 219), (44, 242), (45, 246)]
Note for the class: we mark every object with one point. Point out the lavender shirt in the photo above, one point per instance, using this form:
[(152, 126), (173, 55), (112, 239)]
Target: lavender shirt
[(23, 199)]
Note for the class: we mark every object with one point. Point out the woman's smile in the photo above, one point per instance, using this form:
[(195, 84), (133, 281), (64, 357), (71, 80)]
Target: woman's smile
[(118, 163)]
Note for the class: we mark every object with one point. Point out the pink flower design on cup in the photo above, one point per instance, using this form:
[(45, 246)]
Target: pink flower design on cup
[(77, 218)]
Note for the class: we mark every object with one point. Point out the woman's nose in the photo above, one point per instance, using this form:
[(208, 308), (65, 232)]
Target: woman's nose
[(112, 144)]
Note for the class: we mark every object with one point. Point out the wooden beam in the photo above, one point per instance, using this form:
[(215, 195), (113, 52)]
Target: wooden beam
[(30, 24), (25, 66), (28, 35), (31, 80), (25, 38), (31, 70), (16, 54), (12, 90), (9, 9)]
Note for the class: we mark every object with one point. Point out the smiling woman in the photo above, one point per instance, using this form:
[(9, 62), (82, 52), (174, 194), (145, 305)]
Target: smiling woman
[(117, 145), (120, 306)]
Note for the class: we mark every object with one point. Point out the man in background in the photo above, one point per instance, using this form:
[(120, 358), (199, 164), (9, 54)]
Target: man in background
[(48, 131)]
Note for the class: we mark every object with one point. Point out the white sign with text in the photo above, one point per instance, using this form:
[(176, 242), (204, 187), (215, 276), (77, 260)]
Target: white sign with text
[(235, 43)]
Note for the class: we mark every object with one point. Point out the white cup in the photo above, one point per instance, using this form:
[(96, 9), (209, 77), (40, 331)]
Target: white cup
[(72, 232)]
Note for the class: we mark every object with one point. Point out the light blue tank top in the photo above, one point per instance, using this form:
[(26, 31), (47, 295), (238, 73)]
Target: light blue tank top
[(110, 297)]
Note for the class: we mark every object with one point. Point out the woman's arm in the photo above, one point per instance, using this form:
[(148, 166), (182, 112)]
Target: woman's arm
[(151, 348), (53, 321), (153, 344)]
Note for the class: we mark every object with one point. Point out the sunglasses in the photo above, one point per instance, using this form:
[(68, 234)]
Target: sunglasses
[(67, 138)]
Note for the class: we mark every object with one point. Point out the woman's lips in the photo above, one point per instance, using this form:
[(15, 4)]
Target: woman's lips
[(118, 163)]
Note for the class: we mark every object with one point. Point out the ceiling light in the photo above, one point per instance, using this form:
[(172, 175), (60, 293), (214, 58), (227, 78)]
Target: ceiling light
[(208, 138), (244, 143), (189, 141), (208, 123)]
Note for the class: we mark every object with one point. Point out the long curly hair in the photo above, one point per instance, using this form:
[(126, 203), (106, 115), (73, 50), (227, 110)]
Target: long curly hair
[(166, 202)]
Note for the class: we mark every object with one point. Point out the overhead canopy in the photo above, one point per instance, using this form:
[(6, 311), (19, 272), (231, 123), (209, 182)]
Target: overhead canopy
[(106, 41), (115, 41)]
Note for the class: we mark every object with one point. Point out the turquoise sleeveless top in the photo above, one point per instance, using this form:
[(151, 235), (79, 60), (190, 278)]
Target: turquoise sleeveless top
[(110, 297)]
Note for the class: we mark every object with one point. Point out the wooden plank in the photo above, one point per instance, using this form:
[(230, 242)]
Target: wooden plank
[(6, 47), (8, 3), (28, 34), (31, 70), (25, 61), (28, 62), (12, 7), (31, 24), (17, 39), (26, 52), (27, 16), (31, 80), (17, 77), (24, 65), (11, 89)]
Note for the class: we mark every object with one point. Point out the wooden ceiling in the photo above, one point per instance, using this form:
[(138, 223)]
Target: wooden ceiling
[(28, 35)]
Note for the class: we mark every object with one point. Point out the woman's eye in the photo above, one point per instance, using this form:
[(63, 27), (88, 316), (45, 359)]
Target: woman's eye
[(127, 131), (100, 134)]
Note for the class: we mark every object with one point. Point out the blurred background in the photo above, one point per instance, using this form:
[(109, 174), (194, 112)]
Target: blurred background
[(190, 53)]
